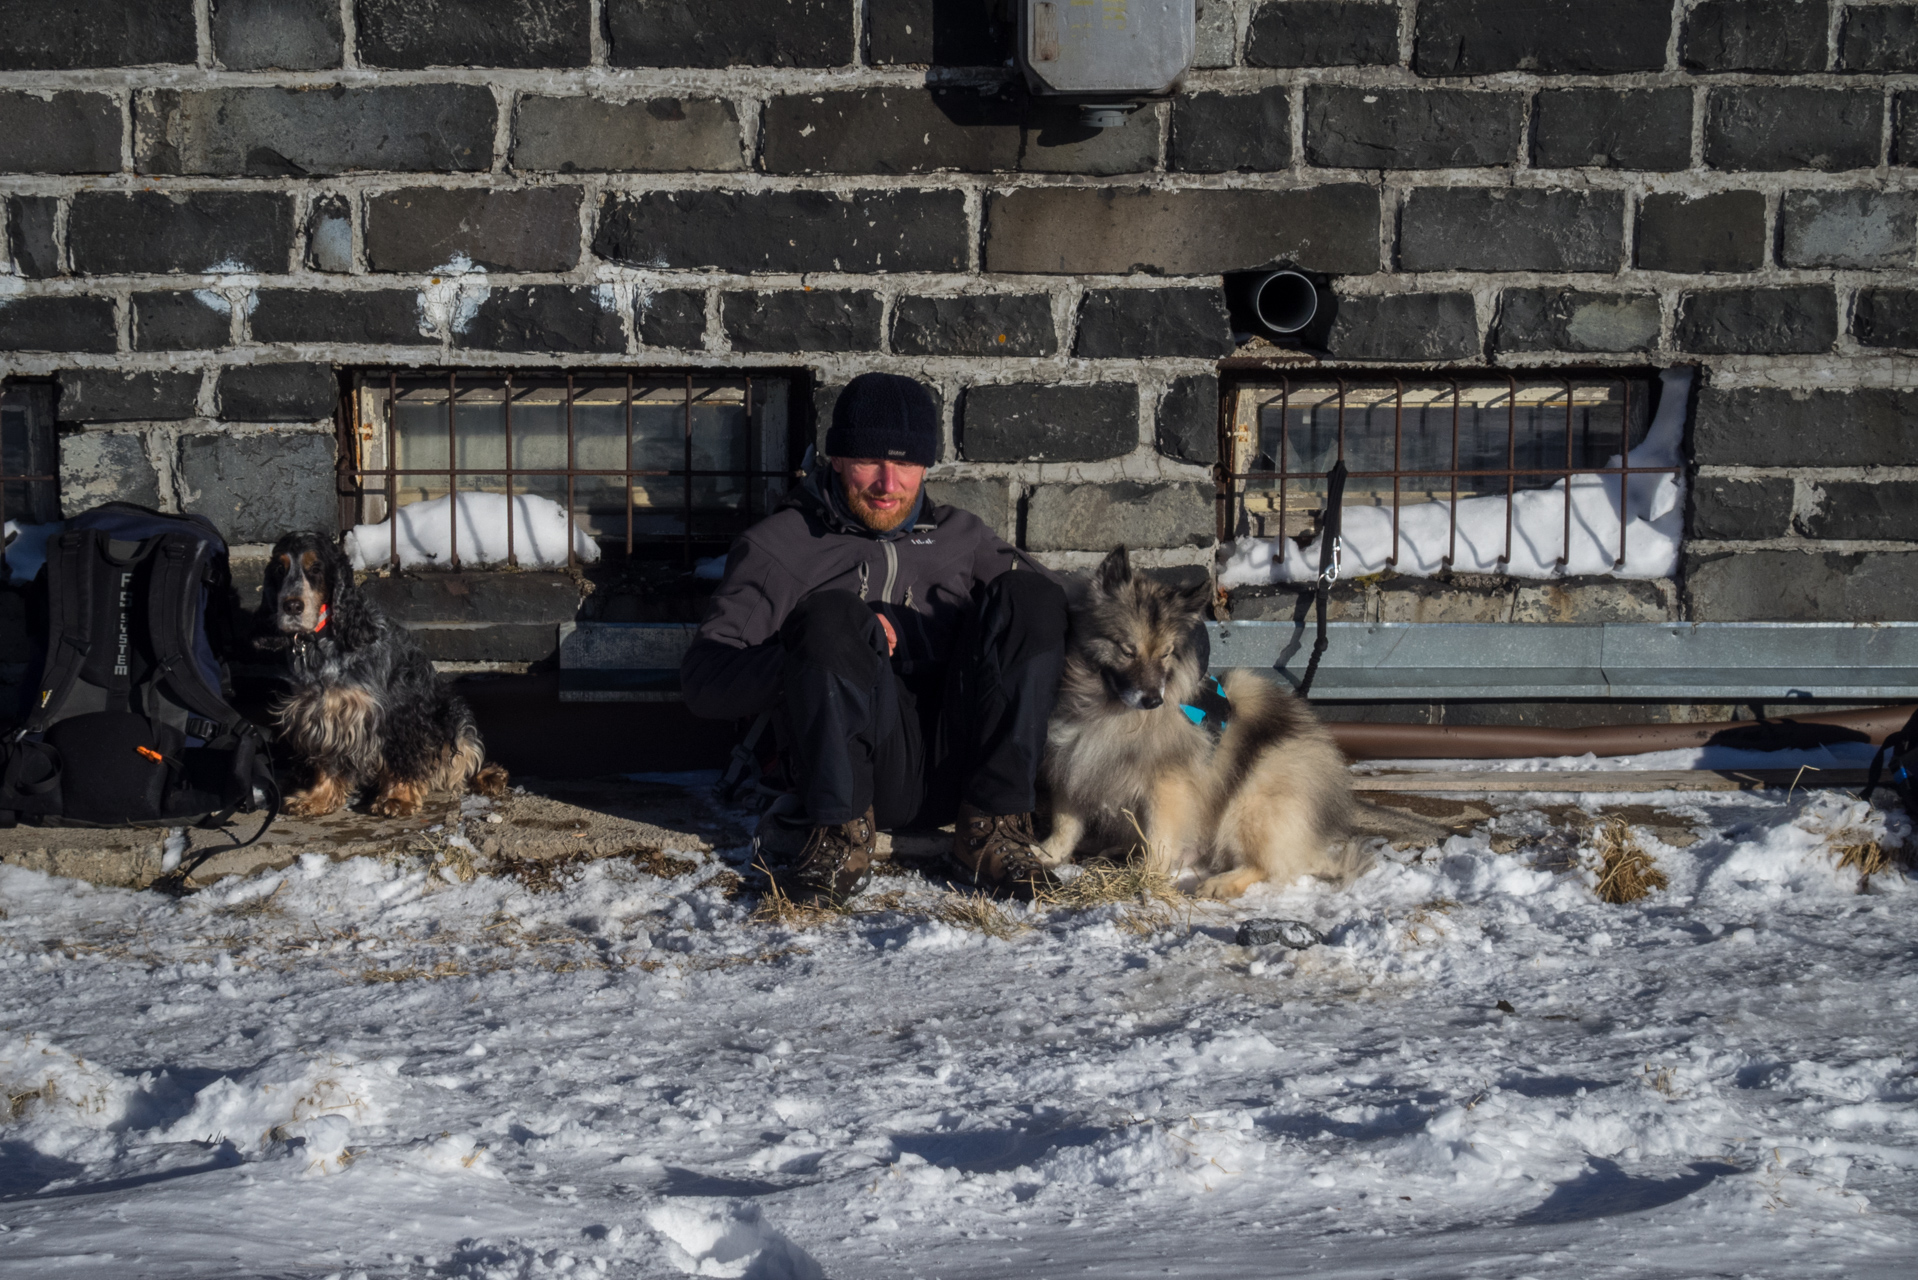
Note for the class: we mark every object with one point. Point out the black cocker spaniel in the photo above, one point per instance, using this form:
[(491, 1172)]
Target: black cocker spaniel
[(366, 706)]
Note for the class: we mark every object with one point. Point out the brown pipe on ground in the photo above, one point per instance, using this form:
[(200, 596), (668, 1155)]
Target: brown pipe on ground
[(1367, 740)]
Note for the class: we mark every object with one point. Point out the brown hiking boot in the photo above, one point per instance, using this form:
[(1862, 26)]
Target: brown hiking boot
[(835, 863), (998, 851)]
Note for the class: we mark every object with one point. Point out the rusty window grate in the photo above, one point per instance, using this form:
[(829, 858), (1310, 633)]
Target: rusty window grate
[(29, 454), (1420, 439), (659, 465)]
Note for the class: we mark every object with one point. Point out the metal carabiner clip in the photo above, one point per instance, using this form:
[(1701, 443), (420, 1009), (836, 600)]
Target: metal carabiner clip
[(1330, 574)]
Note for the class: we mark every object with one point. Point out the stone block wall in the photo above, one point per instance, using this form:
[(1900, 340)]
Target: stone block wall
[(213, 207)]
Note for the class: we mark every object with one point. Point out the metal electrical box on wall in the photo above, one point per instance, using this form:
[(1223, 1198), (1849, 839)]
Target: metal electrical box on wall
[(1105, 53)]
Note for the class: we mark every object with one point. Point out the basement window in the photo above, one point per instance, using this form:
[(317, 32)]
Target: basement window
[(1533, 475), (559, 468), (29, 454)]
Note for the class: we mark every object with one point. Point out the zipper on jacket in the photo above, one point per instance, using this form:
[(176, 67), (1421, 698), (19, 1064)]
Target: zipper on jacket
[(892, 572), (865, 572), (908, 600)]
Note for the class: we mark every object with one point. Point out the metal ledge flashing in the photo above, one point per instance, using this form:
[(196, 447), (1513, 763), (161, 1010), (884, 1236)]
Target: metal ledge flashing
[(1434, 661)]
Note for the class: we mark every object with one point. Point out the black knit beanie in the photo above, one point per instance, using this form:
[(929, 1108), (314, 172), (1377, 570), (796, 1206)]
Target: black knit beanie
[(885, 416)]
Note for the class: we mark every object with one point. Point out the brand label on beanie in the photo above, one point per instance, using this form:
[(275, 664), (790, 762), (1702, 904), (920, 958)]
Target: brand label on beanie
[(895, 453)]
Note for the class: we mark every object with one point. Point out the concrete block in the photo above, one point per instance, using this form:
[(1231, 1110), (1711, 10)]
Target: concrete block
[(763, 231), (256, 487), (1218, 132), (278, 392), (1862, 510), (363, 317), (329, 234), (1728, 508), (30, 236), (1048, 422), (1017, 324), (1803, 586), (66, 323), (1865, 229), (1056, 142), (802, 320), (671, 318), (105, 466), (1379, 128), (182, 320), (1118, 230), (657, 135), (1120, 323), (1322, 33), (269, 132), (1510, 229), (1769, 427), (1904, 130), (1792, 127), (1755, 35), (1595, 600), (64, 132), (1576, 320), (1406, 326), (436, 228), (941, 33), (893, 131), (730, 33), (1724, 231), (1879, 38), (1188, 420), (1429, 600), (545, 317), (36, 36), (1610, 129), (277, 35), (1792, 320), (102, 395), (1215, 34), (1552, 37), (474, 33), (156, 232), (1099, 517), (990, 499), (1886, 318)]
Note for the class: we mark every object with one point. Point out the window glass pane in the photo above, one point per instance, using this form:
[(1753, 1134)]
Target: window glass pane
[(28, 447), (657, 459), (1480, 435)]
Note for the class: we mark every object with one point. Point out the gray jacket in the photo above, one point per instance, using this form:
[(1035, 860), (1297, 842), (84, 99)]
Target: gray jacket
[(921, 575)]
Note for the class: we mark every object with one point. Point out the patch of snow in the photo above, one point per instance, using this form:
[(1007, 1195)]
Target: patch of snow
[(539, 533)]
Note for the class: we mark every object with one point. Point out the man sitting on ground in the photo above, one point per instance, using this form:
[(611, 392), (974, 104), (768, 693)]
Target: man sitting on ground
[(909, 657)]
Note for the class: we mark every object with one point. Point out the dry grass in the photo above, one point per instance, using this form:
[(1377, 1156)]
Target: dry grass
[(776, 907), (549, 875), (1150, 899), (1427, 916), (17, 1103), (1626, 872), (444, 969), (979, 913), (1859, 850)]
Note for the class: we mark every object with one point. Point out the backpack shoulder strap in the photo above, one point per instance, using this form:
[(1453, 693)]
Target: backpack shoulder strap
[(69, 622), (172, 611)]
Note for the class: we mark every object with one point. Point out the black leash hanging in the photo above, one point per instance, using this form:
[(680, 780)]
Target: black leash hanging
[(1331, 558)]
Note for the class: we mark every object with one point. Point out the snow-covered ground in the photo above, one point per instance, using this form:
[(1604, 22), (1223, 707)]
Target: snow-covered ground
[(375, 1068)]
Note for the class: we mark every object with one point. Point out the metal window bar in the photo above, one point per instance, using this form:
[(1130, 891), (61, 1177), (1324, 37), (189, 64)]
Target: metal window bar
[(1234, 484), (391, 473)]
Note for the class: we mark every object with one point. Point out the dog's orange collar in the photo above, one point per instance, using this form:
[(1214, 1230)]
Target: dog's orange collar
[(321, 624)]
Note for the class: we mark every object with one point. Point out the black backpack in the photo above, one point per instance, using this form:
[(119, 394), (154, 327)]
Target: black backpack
[(126, 723), (1895, 765)]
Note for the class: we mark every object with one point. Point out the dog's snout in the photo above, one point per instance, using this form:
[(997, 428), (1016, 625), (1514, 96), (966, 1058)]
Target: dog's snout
[(1149, 700), (293, 606)]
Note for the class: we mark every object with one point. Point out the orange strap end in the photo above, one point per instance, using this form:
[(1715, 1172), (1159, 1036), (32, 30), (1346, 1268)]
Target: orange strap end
[(151, 754)]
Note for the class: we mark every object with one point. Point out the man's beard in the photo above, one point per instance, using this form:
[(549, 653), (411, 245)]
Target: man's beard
[(876, 520)]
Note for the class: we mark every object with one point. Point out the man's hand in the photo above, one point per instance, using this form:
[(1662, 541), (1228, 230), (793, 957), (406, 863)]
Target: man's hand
[(892, 637)]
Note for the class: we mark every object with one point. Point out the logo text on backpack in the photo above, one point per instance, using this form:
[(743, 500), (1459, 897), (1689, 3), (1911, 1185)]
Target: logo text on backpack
[(126, 597)]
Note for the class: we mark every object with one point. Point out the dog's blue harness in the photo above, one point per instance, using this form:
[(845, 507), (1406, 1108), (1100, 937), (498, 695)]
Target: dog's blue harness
[(1210, 709)]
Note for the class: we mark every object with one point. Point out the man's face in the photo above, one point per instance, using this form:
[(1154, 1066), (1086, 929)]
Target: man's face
[(880, 493)]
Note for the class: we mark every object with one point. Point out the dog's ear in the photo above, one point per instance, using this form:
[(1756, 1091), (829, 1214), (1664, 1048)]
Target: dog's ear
[(1114, 572), (1196, 598), (348, 611)]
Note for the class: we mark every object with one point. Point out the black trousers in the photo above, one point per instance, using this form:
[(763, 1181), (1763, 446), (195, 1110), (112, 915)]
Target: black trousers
[(913, 747)]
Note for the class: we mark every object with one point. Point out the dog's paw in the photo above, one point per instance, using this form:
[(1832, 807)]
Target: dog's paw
[(309, 804), (397, 806), (1232, 884)]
